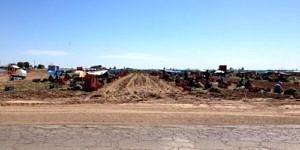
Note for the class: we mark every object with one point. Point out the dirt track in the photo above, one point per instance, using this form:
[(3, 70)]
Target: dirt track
[(221, 113)]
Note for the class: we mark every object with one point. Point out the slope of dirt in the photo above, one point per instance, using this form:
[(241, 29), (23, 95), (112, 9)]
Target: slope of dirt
[(136, 87)]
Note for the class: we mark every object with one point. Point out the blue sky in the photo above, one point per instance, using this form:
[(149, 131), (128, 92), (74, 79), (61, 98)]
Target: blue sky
[(197, 34)]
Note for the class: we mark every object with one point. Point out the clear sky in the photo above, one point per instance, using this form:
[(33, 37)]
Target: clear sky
[(196, 34)]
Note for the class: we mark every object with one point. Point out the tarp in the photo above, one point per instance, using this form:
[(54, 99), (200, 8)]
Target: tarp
[(51, 72), (97, 73), (115, 71), (14, 66), (90, 83), (219, 71), (21, 73), (203, 70)]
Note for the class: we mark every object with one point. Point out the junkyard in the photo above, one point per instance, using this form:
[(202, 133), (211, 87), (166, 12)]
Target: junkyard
[(101, 85), (140, 99), (149, 75)]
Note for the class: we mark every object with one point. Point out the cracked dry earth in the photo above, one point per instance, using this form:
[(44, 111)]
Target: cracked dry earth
[(102, 137)]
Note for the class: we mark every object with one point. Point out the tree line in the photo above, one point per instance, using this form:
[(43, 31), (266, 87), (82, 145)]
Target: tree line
[(27, 65)]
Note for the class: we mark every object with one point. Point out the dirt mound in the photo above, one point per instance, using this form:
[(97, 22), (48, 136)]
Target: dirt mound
[(136, 87)]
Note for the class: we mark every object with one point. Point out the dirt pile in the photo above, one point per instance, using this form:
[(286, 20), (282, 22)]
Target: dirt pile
[(136, 87)]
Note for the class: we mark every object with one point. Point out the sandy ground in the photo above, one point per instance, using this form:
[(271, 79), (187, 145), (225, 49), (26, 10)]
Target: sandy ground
[(234, 113)]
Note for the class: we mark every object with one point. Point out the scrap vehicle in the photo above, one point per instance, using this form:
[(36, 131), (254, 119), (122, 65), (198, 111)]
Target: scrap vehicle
[(102, 76), (169, 75), (112, 75), (20, 74), (93, 80), (282, 76), (16, 73), (86, 81), (222, 82), (56, 76), (91, 83), (54, 72), (154, 73), (249, 74), (189, 79), (77, 80), (273, 76)]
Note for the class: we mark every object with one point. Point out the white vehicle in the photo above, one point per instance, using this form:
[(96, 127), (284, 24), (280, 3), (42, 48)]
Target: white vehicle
[(19, 75)]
